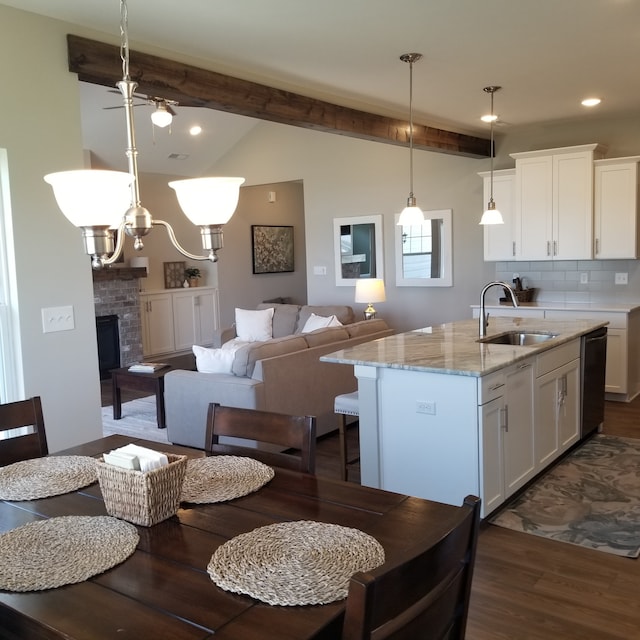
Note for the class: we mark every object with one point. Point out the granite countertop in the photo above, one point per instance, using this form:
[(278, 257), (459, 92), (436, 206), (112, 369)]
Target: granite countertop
[(453, 348), (619, 307)]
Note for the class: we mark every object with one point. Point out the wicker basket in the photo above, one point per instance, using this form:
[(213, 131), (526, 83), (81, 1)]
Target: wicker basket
[(142, 498), (525, 295)]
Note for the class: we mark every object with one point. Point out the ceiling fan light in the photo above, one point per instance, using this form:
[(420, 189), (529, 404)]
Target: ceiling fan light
[(161, 117), (92, 197), (208, 201)]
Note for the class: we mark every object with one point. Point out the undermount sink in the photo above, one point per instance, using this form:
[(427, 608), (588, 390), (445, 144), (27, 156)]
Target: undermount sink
[(520, 338)]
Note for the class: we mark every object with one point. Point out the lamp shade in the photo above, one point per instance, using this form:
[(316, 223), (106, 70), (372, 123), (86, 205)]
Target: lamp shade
[(370, 290), (491, 216), (411, 216), (208, 201), (89, 198), (161, 117)]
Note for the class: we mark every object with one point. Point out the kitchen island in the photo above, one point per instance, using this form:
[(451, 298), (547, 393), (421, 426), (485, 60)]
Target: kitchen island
[(443, 415)]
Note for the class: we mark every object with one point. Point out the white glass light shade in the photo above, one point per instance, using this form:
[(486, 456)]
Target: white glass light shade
[(208, 201), (410, 216), (491, 216), (370, 290), (161, 117), (89, 198)]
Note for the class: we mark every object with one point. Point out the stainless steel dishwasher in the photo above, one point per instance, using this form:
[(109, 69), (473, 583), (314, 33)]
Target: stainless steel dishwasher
[(593, 364)]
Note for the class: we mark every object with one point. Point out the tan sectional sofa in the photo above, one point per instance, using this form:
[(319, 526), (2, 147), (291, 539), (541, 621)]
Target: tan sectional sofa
[(283, 374)]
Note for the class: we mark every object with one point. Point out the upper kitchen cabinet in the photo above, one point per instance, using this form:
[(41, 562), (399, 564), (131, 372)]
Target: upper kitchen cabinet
[(616, 229), (500, 239), (554, 203)]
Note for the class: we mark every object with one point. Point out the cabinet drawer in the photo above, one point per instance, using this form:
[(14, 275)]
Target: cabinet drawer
[(490, 387), (554, 358)]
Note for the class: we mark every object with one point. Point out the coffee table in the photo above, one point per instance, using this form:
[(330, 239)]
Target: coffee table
[(148, 382)]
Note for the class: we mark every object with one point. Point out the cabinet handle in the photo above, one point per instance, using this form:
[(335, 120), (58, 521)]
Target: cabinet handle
[(505, 418), (555, 247), (548, 248), (496, 386), (526, 365), (513, 248)]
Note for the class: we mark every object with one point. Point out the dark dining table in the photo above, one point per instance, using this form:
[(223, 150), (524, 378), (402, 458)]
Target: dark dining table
[(163, 591)]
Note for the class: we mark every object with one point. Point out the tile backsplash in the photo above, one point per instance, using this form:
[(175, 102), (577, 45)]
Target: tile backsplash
[(563, 280)]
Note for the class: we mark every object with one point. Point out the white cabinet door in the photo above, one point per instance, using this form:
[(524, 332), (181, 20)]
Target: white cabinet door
[(157, 323), (616, 379), (519, 457), (616, 228), (557, 412), (534, 202), (572, 206), (500, 239), (491, 417), (194, 317)]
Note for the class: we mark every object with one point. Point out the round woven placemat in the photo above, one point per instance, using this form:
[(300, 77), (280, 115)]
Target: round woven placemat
[(294, 563), (65, 550), (45, 477), (220, 478)]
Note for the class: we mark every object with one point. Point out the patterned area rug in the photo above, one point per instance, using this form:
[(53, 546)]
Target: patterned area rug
[(591, 498), (138, 420)]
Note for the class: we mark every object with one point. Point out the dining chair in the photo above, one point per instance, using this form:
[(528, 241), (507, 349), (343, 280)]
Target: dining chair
[(284, 432), (18, 446), (425, 595)]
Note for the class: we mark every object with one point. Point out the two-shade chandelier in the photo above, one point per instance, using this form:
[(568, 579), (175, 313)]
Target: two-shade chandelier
[(101, 202)]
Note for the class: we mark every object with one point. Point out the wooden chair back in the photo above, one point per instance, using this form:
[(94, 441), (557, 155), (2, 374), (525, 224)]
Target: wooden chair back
[(17, 447), (425, 595), (283, 431)]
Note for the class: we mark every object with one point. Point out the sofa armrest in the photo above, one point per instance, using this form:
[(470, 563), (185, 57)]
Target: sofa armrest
[(187, 395), (220, 336)]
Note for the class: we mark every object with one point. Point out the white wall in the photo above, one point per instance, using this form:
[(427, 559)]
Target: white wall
[(40, 128), (348, 177)]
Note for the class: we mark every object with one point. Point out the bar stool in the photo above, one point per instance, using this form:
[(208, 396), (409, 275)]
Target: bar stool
[(345, 405)]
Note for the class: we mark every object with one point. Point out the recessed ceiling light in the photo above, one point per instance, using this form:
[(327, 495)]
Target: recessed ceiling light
[(489, 118), (196, 130), (591, 102)]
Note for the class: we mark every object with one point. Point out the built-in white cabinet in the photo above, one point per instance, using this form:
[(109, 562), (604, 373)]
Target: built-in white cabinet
[(616, 228), (175, 320), (156, 313), (557, 402), (554, 203), (500, 239)]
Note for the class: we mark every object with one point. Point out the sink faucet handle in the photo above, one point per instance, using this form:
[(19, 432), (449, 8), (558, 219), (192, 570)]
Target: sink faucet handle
[(486, 319)]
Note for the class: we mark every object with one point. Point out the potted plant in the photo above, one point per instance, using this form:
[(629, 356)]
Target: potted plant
[(192, 274)]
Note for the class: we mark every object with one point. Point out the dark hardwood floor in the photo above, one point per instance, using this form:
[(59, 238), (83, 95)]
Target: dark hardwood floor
[(530, 588)]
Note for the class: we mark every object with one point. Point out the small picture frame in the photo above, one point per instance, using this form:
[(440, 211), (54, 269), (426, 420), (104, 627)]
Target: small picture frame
[(173, 274), (272, 247)]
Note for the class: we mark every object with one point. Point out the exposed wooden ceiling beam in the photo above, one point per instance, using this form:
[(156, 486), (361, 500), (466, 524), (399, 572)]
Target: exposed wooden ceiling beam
[(100, 63)]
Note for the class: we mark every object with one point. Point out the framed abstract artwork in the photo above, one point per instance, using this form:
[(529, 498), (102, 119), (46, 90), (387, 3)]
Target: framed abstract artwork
[(173, 274), (272, 248)]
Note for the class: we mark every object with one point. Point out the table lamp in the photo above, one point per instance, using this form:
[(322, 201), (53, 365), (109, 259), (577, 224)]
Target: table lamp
[(370, 290)]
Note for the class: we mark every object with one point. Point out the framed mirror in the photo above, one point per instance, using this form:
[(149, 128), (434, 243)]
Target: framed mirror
[(424, 252), (357, 246)]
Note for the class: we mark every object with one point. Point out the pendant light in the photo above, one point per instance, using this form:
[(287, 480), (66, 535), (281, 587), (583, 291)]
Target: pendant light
[(491, 214), (411, 214)]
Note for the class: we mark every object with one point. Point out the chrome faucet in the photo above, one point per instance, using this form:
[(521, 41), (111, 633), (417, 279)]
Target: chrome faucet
[(484, 317)]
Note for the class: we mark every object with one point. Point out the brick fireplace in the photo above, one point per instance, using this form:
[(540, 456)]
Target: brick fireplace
[(116, 293)]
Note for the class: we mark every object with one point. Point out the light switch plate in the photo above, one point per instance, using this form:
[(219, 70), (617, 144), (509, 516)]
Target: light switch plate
[(622, 278), (57, 319)]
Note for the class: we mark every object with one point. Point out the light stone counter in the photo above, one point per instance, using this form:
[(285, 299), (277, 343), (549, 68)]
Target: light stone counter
[(453, 348)]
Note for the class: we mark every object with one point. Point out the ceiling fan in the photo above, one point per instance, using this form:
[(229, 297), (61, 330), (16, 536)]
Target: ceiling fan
[(164, 112)]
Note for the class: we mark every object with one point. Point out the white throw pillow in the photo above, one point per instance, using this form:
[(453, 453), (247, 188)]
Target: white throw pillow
[(320, 322), (213, 360), (254, 326)]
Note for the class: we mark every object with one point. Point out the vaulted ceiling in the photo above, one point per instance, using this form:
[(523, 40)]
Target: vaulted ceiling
[(546, 54)]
